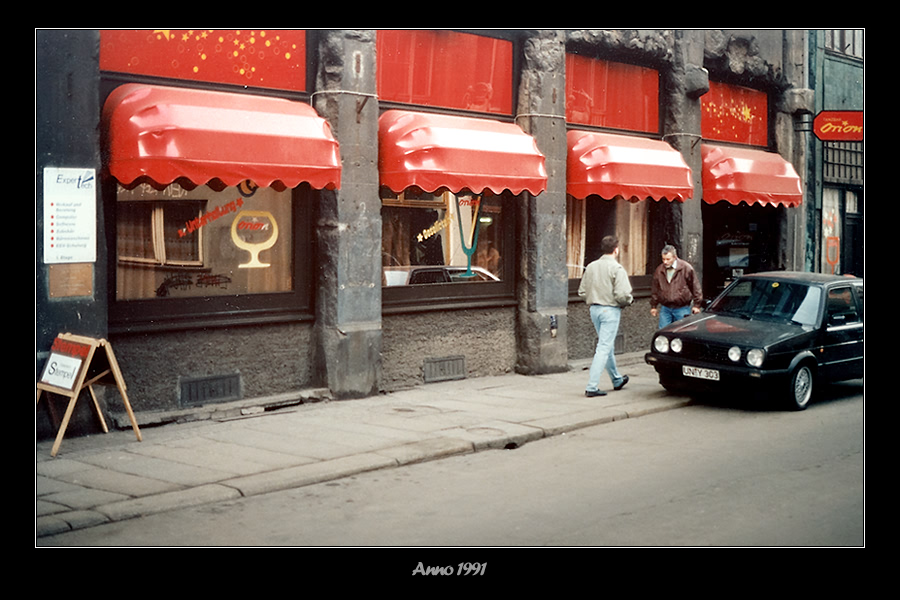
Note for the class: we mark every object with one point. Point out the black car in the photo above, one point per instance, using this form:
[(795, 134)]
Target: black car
[(778, 333)]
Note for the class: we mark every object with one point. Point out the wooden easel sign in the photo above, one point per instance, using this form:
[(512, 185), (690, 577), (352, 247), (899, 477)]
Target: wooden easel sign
[(74, 364)]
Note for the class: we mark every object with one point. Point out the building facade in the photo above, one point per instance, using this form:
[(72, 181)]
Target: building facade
[(836, 170), (347, 212)]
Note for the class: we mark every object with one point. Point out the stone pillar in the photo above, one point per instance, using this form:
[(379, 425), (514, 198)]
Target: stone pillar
[(685, 83), (67, 134), (348, 221), (542, 279), (793, 125)]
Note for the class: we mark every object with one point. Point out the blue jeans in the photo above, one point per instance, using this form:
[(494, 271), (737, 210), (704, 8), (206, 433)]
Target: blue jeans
[(606, 322), (670, 315)]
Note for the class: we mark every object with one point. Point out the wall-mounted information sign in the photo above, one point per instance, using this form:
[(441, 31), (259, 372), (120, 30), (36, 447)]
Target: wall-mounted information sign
[(70, 215)]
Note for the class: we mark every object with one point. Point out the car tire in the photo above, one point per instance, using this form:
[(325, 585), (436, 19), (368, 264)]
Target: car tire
[(802, 384)]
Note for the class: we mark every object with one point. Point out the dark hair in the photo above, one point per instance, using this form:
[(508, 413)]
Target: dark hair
[(608, 244)]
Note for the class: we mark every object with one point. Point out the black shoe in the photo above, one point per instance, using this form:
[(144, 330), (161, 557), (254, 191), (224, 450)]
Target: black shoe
[(594, 393), (621, 385)]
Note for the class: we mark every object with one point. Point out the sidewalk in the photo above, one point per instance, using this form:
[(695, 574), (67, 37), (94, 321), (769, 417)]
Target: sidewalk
[(112, 477)]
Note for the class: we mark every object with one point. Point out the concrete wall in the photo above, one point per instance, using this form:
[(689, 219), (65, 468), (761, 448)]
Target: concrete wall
[(485, 338), (635, 330), (270, 359)]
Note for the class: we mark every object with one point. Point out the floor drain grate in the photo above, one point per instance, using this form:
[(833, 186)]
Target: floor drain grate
[(444, 369), (207, 390)]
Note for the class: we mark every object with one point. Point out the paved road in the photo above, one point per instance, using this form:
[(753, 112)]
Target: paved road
[(702, 475)]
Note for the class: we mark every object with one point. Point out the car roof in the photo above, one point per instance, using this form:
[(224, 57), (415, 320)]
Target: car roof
[(804, 276), (801, 276)]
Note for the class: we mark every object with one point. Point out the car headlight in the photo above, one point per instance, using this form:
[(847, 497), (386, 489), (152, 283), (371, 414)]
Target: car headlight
[(755, 357), (661, 344), (734, 354), (675, 345)]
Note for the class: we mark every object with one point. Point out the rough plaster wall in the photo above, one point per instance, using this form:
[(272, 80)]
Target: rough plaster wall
[(485, 337), (271, 359), (637, 328)]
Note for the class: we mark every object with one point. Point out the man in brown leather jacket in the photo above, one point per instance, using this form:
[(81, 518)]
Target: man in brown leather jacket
[(674, 287)]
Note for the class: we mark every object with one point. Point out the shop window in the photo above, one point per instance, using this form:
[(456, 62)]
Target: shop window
[(589, 220), (266, 58), (442, 238), (731, 113), (609, 94), (182, 252), (831, 230), (576, 232), (844, 162), (850, 42), (842, 232), (147, 234), (446, 69)]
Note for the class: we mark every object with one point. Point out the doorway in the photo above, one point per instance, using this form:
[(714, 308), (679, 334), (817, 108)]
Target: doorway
[(738, 240)]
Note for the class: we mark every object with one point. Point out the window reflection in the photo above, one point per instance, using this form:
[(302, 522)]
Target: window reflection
[(179, 243), (424, 67), (609, 94), (441, 238)]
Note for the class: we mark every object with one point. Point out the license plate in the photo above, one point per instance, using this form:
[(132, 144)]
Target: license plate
[(709, 374)]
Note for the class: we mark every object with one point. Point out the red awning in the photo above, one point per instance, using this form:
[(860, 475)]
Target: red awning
[(745, 175), (634, 168), (162, 134), (432, 152)]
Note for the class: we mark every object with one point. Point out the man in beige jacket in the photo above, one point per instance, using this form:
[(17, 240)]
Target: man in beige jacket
[(606, 289)]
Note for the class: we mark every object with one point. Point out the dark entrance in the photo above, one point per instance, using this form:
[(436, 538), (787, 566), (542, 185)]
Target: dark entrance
[(738, 240)]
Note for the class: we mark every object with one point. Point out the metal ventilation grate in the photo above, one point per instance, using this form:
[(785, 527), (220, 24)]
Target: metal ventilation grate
[(196, 391), (444, 369)]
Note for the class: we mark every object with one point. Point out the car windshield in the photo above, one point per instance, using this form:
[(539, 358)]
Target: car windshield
[(770, 300)]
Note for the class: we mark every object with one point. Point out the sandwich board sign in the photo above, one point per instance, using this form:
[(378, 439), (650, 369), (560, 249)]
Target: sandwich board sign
[(75, 364)]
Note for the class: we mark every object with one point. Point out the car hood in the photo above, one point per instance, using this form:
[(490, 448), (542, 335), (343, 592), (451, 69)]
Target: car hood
[(725, 329)]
